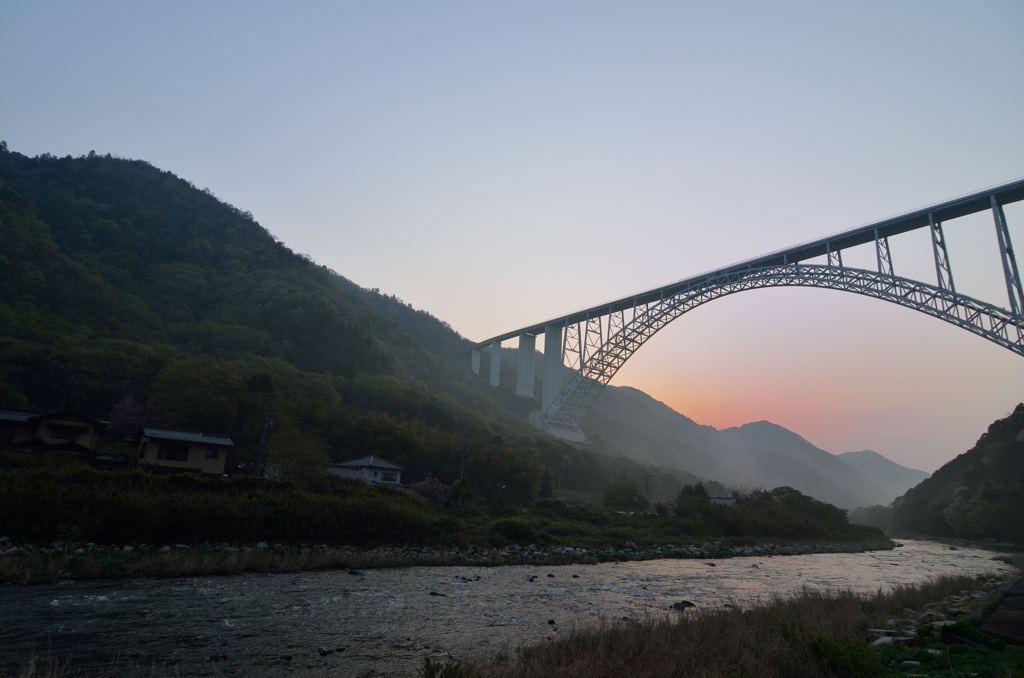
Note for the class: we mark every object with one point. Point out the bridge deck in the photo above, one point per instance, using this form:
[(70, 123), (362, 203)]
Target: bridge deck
[(945, 211)]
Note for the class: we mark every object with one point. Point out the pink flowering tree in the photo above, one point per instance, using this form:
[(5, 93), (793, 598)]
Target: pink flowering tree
[(431, 488), (127, 416)]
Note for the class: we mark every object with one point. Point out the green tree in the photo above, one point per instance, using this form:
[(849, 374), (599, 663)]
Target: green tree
[(198, 393), (623, 497), (692, 499), (545, 485), (292, 454)]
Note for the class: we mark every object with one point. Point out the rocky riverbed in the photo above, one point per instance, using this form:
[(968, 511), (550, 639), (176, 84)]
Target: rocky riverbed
[(42, 563), (387, 620)]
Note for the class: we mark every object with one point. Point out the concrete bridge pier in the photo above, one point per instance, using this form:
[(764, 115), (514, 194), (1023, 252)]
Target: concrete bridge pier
[(525, 371), (474, 360), (495, 362), (552, 365)]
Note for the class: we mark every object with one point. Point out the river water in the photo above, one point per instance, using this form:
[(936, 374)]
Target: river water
[(387, 620)]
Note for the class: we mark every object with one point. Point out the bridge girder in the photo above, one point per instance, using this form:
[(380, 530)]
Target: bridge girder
[(597, 365), (596, 342)]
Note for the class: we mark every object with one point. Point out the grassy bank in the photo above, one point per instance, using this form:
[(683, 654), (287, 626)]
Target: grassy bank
[(811, 634)]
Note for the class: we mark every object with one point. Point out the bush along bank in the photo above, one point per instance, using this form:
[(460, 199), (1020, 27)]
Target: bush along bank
[(34, 564), (812, 634)]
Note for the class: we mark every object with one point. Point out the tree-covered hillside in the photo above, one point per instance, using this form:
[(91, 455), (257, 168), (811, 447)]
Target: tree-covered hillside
[(119, 280), (977, 495)]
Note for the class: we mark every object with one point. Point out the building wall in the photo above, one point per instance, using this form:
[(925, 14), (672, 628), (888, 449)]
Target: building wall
[(378, 475), (197, 458), (22, 430), (86, 438)]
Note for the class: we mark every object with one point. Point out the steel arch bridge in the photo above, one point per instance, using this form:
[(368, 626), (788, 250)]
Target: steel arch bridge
[(585, 349)]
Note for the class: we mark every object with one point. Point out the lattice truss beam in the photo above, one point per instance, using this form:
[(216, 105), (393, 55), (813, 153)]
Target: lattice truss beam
[(597, 347)]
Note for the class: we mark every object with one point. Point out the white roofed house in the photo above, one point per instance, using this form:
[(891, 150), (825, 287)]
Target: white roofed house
[(161, 448), (372, 469)]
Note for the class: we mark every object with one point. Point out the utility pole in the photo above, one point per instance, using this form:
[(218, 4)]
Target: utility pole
[(647, 483)]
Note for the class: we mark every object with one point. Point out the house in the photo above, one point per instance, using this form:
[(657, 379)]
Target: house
[(161, 448), (33, 429), (373, 470), (723, 501)]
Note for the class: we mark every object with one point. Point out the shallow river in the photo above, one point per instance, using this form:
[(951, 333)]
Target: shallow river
[(387, 620)]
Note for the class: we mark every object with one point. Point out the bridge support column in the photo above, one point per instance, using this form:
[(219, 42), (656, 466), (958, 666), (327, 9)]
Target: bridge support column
[(525, 371), (883, 255), (942, 270), (474, 360), (495, 362), (552, 365), (1009, 260), (835, 257)]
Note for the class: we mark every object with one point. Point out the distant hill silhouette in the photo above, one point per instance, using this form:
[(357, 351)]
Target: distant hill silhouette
[(760, 454), (892, 478)]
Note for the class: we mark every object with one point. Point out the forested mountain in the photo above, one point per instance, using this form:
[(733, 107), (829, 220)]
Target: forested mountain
[(892, 478), (977, 495), (121, 280)]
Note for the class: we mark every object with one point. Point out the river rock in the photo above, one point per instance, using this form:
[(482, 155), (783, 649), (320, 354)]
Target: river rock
[(880, 642), (261, 545), (165, 549), (127, 549), (909, 664), (630, 546)]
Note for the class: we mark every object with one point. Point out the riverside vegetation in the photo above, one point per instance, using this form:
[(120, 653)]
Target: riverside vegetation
[(811, 634), (321, 521)]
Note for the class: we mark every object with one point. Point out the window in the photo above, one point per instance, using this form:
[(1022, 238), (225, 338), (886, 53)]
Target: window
[(59, 432), (374, 474), (212, 453), (388, 477), (6, 432), (142, 449), (172, 451)]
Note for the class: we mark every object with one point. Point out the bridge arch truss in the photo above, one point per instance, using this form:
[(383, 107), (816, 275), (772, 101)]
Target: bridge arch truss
[(584, 350)]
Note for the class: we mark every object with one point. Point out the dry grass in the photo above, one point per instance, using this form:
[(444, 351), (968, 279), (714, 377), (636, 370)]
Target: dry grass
[(810, 634)]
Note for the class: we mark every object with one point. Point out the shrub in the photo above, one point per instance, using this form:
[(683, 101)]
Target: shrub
[(134, 506), (515, 530)]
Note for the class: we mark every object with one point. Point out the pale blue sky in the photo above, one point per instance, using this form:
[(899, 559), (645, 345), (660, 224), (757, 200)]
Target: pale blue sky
[(499, 165)]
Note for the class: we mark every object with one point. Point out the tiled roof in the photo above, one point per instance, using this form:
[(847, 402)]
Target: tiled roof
[(371, 462), (186, 435), (17, 414)]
